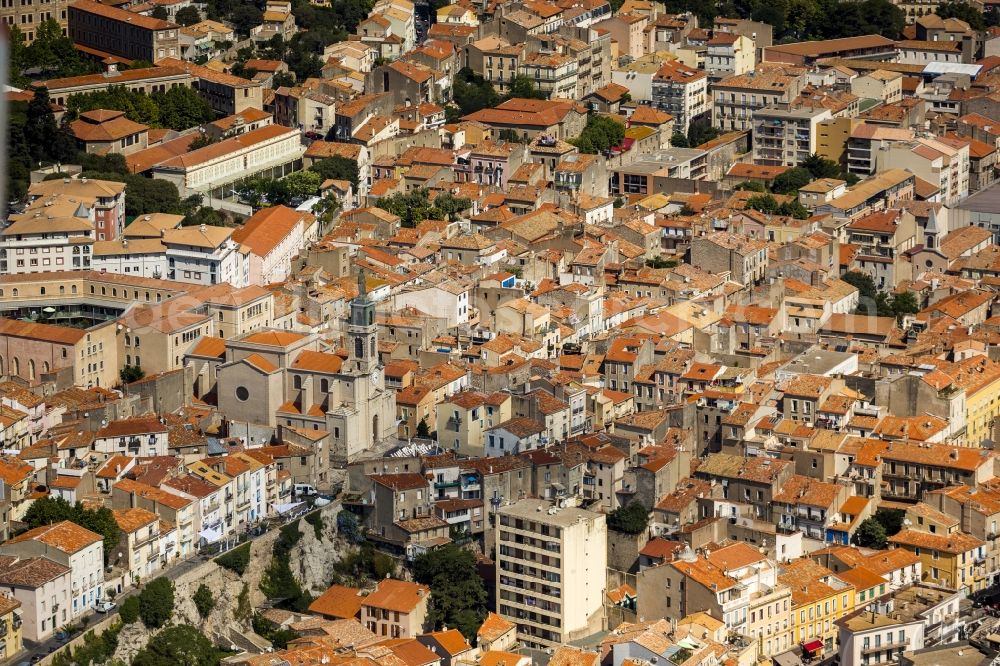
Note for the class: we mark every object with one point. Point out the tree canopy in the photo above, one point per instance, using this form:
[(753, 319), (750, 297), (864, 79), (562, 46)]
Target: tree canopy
[(415, 207), (600, 134), (962, 11), (179, 108), (49, 510), (339, 168), (178, 645), (51, 54), (632, 518), (766, 203), (870, 534), (791, 180), (874, 302), (156, 602), (188, 15), (458, 595), (470, 92)]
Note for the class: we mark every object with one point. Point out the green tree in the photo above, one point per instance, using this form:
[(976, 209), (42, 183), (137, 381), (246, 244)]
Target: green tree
[(632, 518), (349, 528), (236, 560), (791, 180), (600, 134), (50, 510), (277, 635), (701, 131), (160, 12), (204, 215), (891, 520), (820, 167), (870, 534), (181, 645), (156, 602), (46, 140), (246, 17), (751, 186), (524, 88), (181, 108), (661, 262), (131, 373), (458, 595), (188, 15), (338, 168), (471, 92), (905, 303), (301, 184), (962, 11), (423, 431), (54, 54), (204, 600), (679, 140), (129, 610), (415, 207)]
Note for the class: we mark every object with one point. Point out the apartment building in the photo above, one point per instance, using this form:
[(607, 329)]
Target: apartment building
[(271, 151), (205, 255), (682, 92), (744, 258), (43, 588), (30, 351), (30, 14), (170, 507), (942, 162), (553, 73), (785, 134), (225, 93), (111, 31), (883, 238), (729, 54), (954, 560), (495, 59), (871, 195), (274, 236), (396, 609), (105, 200), (71, 546), (736, 98), (11, 621), (551, 565)]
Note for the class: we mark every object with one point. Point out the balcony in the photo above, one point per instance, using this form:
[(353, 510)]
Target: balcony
[(895, 645)]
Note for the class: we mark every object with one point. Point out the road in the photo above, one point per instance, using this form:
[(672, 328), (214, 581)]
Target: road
[(52, 644), (33, 649)]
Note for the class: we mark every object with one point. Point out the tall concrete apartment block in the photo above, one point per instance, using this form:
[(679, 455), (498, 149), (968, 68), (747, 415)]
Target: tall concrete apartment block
[(551, 567)]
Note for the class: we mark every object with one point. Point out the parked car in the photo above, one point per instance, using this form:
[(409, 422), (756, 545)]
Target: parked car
[(105, 606)]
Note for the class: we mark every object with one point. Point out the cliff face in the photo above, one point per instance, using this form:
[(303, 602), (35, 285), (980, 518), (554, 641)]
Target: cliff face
[(312, 561)]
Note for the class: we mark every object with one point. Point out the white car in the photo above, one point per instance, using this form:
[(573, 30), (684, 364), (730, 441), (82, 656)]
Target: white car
[(105, 606)]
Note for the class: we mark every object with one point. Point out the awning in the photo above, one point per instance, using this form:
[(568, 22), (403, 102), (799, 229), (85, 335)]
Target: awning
[(285, 508), (813, 645), (211, 535)]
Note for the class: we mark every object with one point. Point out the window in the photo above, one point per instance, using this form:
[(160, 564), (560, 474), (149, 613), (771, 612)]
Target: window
[(242, 393)]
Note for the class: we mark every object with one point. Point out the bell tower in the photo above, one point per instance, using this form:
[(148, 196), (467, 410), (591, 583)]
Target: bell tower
[(362, 331)]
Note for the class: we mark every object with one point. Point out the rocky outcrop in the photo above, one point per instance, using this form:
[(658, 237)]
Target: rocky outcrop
[(313, 559)]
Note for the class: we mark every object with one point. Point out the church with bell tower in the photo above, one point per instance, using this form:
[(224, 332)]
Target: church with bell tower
[(272, 378), (368, 409)]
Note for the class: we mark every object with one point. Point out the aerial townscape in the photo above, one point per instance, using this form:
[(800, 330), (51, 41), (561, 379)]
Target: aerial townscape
[(500, 333)]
